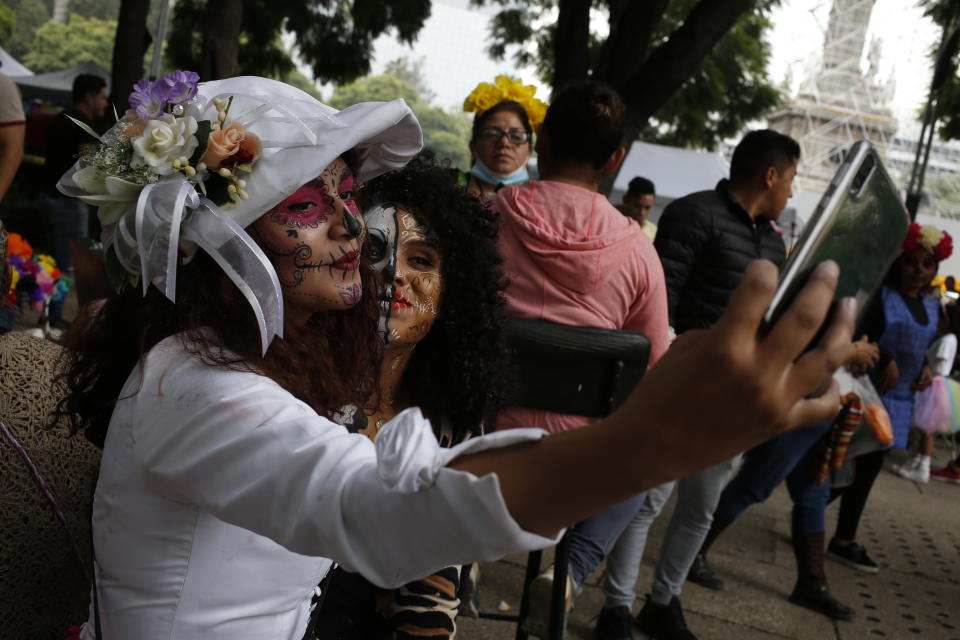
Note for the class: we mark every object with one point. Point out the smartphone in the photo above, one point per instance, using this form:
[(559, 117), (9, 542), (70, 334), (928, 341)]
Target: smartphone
[(860, 223)]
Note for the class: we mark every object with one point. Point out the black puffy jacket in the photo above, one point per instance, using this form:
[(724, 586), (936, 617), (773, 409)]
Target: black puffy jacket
[(705, 241)]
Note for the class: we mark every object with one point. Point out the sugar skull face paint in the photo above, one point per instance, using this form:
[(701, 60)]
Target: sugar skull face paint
[(405, 254), (313, 239)]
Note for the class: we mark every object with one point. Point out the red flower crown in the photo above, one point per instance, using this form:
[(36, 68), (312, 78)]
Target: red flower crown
[(930, 239)]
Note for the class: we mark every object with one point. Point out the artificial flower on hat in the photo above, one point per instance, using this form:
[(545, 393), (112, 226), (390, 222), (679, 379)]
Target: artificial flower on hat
[(192, 164), (930, 239), (504, 89)]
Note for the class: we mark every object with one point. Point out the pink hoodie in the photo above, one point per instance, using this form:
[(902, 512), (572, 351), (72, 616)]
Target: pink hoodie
[(572, 258)]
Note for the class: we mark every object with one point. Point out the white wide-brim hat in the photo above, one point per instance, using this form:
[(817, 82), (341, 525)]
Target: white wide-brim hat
[(149, 229)]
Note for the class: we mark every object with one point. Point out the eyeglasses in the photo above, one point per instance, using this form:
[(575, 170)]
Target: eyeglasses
[(493, 134)]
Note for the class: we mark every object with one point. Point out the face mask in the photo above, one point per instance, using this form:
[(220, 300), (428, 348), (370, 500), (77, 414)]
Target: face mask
[(481, 172)]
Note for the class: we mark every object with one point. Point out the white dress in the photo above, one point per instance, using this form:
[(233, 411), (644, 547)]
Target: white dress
[(221, 498)]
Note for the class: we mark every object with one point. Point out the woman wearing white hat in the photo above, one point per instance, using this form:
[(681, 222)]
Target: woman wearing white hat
[(225, 493)]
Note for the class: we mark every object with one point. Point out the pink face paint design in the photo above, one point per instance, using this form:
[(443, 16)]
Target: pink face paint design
[(309, 207), (313, 240), (350, 295)]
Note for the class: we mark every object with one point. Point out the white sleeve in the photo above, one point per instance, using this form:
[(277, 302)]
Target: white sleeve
[(239, 446), (942, 353)]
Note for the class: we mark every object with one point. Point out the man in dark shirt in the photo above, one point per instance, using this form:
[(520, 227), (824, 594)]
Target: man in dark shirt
[(67, 218), (705, 240)]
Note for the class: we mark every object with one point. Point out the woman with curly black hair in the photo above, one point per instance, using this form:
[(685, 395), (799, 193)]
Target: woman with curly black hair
[(434, 245)]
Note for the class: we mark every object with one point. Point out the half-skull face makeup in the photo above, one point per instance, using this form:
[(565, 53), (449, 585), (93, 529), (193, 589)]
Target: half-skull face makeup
[(405, 254), (313, 239)]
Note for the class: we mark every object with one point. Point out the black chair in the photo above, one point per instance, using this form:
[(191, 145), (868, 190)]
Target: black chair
[(584, 371)]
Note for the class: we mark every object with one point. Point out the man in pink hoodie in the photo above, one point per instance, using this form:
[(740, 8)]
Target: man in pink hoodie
[(571, 257)]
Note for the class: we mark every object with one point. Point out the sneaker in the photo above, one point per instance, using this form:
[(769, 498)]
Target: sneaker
[(817, 596), (948, 474), (614, 623), (700, 573), (664, 623), (537, 622), (917, 473), (853, 555)]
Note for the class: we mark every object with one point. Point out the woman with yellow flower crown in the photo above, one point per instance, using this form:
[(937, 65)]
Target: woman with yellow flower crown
[(506, 115)]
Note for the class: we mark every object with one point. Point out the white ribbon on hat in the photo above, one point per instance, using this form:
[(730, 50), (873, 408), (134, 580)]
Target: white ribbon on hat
[(170, 211)]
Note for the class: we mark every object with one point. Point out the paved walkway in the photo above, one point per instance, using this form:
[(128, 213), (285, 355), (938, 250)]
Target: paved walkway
[(911, 530)]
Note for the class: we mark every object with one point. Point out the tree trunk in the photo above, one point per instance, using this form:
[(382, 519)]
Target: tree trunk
[(571, 43), (129, 48), (220, 55), (60, 9), (632, 25), (671, 64)]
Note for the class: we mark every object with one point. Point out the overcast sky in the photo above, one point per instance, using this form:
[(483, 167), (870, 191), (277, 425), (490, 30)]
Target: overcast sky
[(452, 47)]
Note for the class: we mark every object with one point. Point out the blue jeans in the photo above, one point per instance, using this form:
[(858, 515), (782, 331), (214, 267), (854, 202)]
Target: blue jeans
[(7, 317), (689, 524), (765, 467), (592, 539), (66, 220), (809, 498)]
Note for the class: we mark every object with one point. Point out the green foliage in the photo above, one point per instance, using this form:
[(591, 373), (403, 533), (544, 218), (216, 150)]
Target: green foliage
[(59, 46), (29, 15), (946, 13), (445, 132), (103, 9), (335, 37), (7, 21), (730, 88)]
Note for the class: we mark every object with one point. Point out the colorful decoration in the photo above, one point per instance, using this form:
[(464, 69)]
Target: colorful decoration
[(36, 281), (930, 239), (156, 139), (506, 89)]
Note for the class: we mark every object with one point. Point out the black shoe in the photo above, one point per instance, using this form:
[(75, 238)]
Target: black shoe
[(614, 623), (816, 596), (664, 623), (701, 573), (853, 555)]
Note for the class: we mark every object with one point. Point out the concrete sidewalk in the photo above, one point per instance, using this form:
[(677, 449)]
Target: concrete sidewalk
[(911, 530)]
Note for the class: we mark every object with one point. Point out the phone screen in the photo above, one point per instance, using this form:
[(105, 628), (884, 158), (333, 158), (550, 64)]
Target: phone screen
[(860, 223)]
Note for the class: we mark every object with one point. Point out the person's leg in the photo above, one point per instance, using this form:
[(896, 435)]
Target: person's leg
[(592, 539), (623, 562), (67, 220), (764, 468), (843, 545), (808, 527), (589, 542), (697, 499)]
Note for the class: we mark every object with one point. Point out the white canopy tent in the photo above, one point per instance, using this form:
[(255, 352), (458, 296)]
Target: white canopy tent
[(55, 86), (10, 66), (677, 172)]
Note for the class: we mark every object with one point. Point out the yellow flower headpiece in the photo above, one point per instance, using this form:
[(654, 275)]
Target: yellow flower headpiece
[(488, 95)]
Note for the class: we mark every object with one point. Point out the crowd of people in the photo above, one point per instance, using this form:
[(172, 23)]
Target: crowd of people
[(301, 386)]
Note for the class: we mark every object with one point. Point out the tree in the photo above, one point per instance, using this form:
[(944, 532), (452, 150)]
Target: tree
[(335, 37), (691, 72), (946, 82), (444, 132), (129, 46), (29, 15), (219, 54), (58, 46), (7, 20)]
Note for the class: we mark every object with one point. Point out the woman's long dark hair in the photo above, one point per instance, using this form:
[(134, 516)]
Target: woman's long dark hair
[(457, 372), (217, 326)]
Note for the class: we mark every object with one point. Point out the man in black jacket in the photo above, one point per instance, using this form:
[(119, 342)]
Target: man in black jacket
[(705, 240)]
